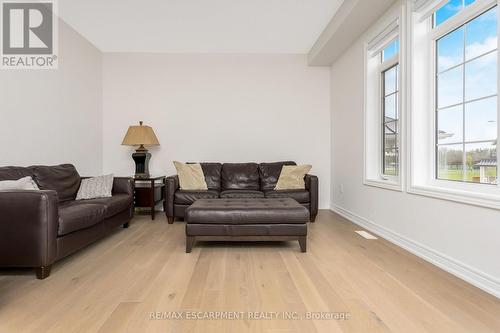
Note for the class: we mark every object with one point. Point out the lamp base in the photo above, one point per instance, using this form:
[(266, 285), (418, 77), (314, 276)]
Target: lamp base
[(141, 158)]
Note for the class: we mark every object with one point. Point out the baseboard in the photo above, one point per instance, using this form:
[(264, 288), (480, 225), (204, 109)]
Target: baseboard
[(469, 274)]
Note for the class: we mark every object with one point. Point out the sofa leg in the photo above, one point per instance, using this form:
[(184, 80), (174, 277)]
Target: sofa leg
[(189, 243), (170, 219), (126, 225), (42, 272), (303, 243), (313, 218)]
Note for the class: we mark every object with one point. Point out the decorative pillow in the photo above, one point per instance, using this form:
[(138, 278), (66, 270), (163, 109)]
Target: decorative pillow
[(95, 187), (292, 177), (190, 176), (25, 183)]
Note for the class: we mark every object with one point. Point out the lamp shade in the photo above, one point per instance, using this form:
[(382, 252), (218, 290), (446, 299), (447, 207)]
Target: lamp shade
[(140, 135)]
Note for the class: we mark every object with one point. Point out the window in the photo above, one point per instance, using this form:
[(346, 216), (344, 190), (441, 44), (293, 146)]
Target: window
[(454, 112), (466, 101), (449, 10), (390, 50), (390, 109), (384, 68)]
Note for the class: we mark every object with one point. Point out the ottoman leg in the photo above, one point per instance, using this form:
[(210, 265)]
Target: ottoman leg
[(303, 243), (189, 243)]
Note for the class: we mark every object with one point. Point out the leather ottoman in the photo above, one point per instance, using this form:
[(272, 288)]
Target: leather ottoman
[(257, 219)]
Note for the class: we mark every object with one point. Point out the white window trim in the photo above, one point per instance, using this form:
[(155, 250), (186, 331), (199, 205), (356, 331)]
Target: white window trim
[(386, 30), (421, 165)]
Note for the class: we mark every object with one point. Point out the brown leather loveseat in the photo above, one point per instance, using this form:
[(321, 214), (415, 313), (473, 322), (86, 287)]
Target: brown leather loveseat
[(38, 228), (239, 180)]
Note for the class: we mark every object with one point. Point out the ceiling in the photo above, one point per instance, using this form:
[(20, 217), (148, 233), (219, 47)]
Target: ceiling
[(200, 26)]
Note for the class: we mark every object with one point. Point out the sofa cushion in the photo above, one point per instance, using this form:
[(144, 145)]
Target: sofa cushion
[(191, 177), (292, 177), (269, 174), (64, 179), (95, 187), (25, 183), (185, 197), (241, 194), (240, 176), (14, 173), (301, 196), (114, 205), (78, 215), (212, 172)]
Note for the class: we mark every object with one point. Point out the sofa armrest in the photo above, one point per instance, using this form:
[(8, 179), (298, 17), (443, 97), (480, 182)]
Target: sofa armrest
[(123, 185), (28, 228), (171, 185), (312, 185)]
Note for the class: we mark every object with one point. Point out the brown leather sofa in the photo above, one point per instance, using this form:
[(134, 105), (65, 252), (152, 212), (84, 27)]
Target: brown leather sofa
[(37, 228), (239, 180)]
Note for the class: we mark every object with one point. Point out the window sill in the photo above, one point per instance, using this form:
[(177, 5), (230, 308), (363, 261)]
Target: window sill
[(456, 195), (385, 184)]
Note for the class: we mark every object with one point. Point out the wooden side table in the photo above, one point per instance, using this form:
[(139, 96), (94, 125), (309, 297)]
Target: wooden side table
[(149, 192)]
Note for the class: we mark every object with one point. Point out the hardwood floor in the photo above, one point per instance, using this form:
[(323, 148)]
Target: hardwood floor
[(115, 285)]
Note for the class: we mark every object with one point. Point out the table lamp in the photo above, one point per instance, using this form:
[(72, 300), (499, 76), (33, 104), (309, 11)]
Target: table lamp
[(141, 136)]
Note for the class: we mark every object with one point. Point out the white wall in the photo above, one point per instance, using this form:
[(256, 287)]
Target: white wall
[(462, 238), (228, 108), (55, 116)]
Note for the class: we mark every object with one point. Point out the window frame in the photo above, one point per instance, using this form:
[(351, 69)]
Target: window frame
[(384, 67), (389, 28), (458, 21), (423, 174)]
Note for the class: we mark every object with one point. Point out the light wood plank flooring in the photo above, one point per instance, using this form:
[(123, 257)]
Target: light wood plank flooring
[(115, 284)]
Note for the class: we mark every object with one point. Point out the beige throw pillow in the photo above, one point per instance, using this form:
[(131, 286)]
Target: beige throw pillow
[(191, 176), (292, 177), (25, 183)]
